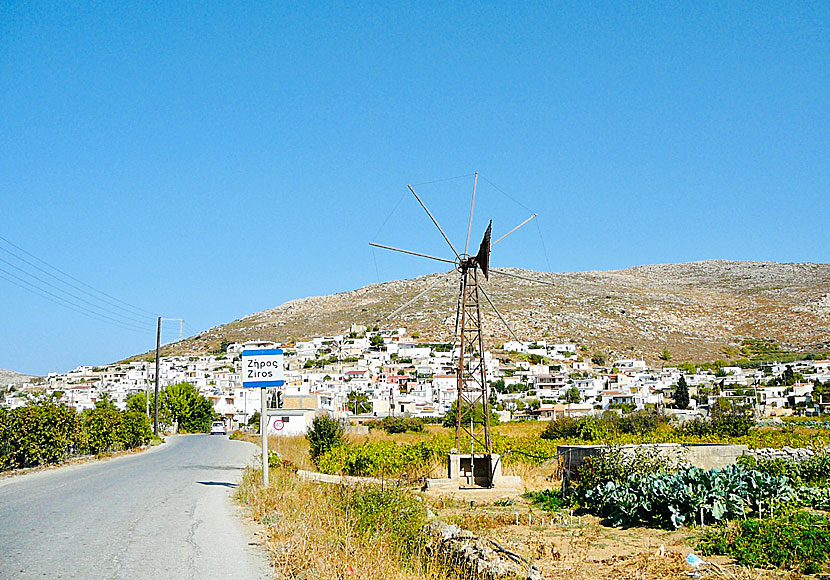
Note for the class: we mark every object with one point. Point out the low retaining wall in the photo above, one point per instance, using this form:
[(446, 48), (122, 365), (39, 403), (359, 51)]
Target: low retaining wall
[(787, 453), (703, 455)]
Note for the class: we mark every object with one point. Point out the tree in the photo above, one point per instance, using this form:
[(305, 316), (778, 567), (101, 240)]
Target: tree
[(573, 395), (599, 358), (223, 346), (358, 403), (191, 411), (665, 356), (137, 403), (451, 419), (681, 394), (376, 340), (324, 434)]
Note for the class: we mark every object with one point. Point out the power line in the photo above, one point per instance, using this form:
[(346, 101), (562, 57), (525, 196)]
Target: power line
[(66, 303), (135, 308), (85, 301), (35, 266)]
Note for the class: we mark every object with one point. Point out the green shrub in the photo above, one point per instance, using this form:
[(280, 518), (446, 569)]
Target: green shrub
[(616, 464), (561, 428), (388, 513), (38, 433), (49, 432), (137, 431), (584, 428), (603, 428), (379, 458), (401, 425), (722, 425), (814, 471), (795, 540), (549, 500), (325, 433), (104, 427), (450, 418), (640, 422), (814, 497)]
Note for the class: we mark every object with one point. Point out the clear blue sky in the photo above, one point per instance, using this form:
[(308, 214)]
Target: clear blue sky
[(204, 161)]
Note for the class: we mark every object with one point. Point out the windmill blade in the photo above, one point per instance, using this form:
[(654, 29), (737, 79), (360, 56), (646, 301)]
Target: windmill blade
[(411, 252), (429, 213), (496, 310), (516, 228), (536, 280), (483, 256), (472, 207)]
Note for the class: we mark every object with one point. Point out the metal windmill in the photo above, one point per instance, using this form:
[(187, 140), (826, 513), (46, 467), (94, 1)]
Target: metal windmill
[(471, 370)]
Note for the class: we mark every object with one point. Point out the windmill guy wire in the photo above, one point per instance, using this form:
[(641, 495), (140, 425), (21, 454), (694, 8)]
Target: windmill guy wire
[(496, 310), (410, 302), (536, 280)]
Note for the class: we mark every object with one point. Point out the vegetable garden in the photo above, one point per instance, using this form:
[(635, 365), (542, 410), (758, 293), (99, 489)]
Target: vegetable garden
[(740, 509)]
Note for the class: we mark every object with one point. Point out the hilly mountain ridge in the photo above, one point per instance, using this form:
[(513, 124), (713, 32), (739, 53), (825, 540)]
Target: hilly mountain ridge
[(699, 311)]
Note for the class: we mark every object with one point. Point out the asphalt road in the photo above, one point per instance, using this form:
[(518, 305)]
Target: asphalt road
[(163, 514)]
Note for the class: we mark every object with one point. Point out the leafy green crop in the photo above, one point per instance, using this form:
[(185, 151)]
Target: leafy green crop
[(693, 494), (549, 500), (381, 458), (796, 540), (814, 471)]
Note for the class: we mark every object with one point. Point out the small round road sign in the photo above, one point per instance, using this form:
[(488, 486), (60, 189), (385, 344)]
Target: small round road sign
[(278, 425)]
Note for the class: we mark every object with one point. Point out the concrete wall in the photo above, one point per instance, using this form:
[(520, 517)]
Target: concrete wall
[(705, 456)]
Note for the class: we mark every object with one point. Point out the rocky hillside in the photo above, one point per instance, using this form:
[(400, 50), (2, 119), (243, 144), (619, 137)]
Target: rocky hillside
[(8, 378), (700, 311)]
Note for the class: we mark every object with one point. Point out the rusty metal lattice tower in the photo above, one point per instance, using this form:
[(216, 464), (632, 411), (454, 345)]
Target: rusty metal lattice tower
[(471, 429), (472, 383)]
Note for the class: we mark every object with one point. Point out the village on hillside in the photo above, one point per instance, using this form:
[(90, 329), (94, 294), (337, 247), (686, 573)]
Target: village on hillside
[(371, 374)]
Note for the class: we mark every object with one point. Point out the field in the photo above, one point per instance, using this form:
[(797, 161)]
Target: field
[(326, 531)]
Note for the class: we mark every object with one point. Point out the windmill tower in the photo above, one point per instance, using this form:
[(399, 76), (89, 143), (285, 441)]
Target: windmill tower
[(472, 369), (480, 467)]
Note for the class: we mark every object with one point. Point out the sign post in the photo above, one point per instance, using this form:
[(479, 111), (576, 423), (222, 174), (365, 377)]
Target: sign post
[(262, 369), (278, 426)]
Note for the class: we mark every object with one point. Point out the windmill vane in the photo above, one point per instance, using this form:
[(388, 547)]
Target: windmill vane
[(480, 467)]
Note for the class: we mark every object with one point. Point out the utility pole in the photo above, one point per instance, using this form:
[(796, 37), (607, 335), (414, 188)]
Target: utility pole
[(156, 402), (158, 356)]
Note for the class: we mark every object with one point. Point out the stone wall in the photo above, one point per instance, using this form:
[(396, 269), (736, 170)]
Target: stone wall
[(786, 453), (475, 558)]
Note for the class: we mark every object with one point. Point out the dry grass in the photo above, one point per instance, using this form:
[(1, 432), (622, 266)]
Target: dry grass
[(310, 535)]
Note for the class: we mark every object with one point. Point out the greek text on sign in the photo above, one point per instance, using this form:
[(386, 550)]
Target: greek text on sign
[(262, 368)]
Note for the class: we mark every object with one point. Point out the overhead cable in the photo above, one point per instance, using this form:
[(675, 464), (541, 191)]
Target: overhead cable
[(24, 284), (136, 309), (109, 311)]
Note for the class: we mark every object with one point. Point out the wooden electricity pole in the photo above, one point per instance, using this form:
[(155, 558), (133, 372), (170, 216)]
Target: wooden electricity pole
[(156, 402)]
